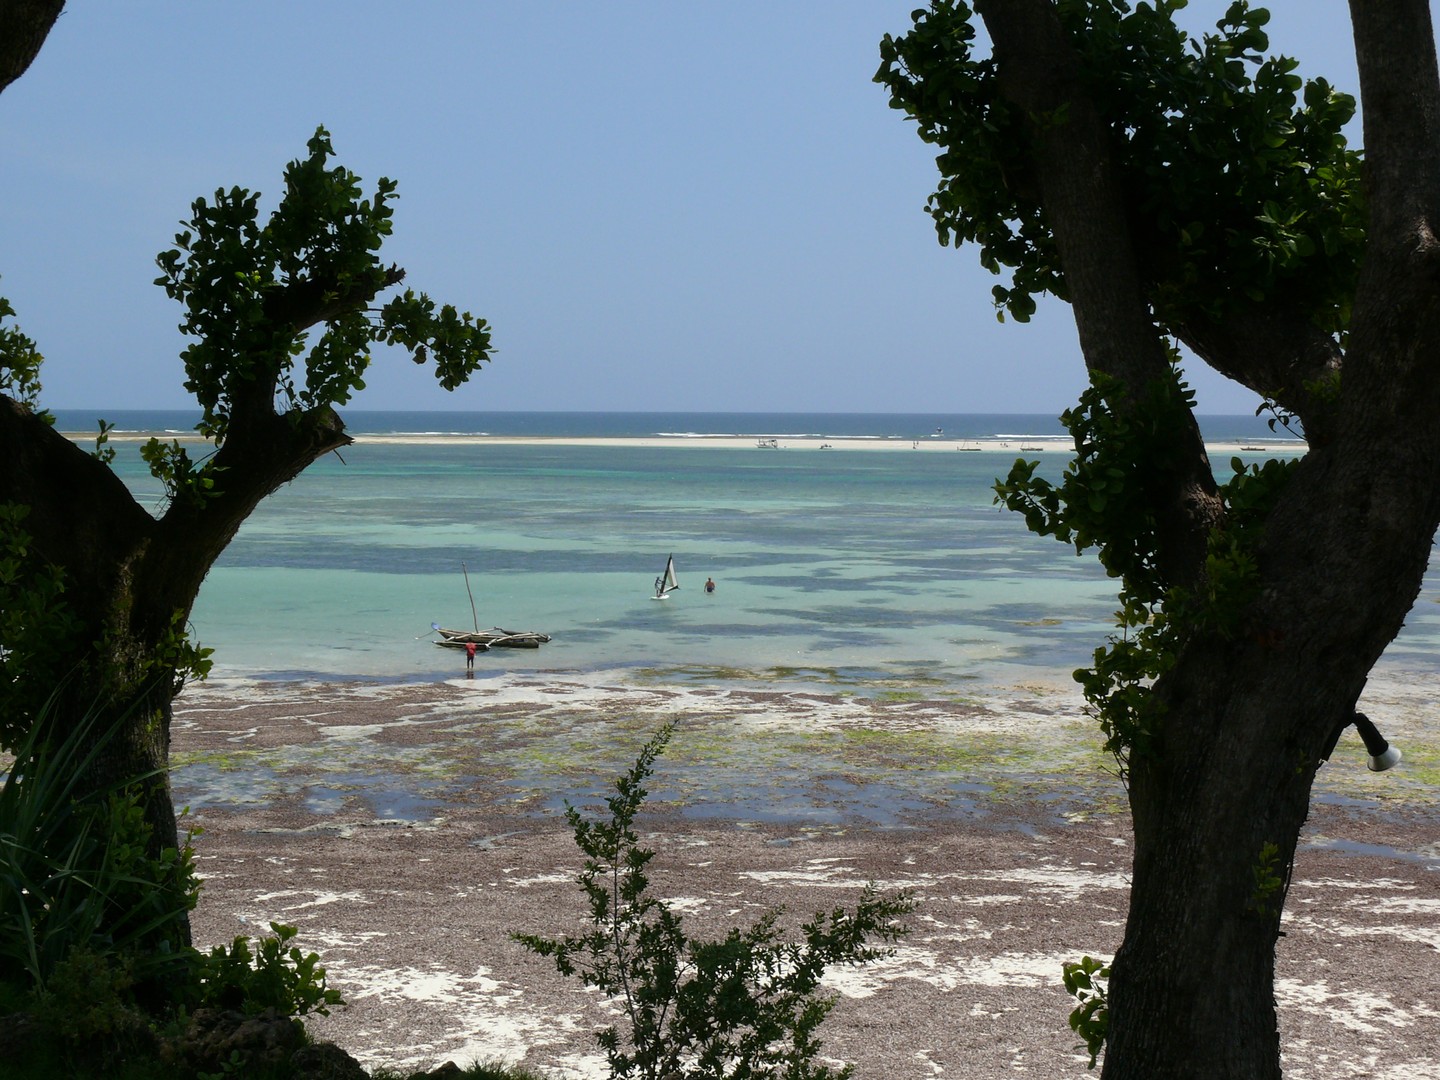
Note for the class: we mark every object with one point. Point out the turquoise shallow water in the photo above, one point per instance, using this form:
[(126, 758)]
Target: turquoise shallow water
[(868, 565)]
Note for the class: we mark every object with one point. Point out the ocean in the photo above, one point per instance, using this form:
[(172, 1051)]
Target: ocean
[(872, 571)]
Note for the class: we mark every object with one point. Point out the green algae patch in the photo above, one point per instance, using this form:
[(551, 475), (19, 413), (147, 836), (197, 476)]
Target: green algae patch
[(925, 749), (904, 675), (221, 760)]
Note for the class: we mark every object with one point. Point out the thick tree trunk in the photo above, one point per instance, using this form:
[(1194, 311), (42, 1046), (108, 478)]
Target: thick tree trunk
[(1220, 799), (1220, 795), (1217, 807), (131, 579)]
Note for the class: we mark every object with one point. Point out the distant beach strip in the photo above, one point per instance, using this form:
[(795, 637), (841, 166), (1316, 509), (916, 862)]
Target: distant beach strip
[(1030, 445), (1019, 445)]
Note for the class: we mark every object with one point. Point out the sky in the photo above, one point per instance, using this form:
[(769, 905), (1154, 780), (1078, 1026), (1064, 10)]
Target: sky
[(689, 205)]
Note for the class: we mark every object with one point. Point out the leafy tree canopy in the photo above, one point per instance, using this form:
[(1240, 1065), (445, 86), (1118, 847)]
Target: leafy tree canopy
[(253, 294), (1237, 173)]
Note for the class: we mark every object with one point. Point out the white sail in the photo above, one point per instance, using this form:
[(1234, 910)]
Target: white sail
[(666, 583)]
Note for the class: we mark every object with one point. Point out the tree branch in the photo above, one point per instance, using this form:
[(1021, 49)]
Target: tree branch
[(82, 517), (192, 534), (303, 304), (24, 25), (298, 306), (1279, 354), (1085, 207), (1395, 53), (1390, 364)]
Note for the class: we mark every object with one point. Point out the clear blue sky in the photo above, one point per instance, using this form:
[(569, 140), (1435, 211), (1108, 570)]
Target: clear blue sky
[(657, 205)]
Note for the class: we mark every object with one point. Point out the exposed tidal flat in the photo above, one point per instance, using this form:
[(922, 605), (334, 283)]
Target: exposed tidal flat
[(878, 689), (409, 828)]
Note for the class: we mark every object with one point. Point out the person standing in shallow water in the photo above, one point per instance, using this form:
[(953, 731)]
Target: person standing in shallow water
[(470, 656), (709, 584)]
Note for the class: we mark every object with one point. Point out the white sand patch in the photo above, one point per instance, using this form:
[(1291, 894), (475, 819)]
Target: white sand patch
[(317, 899), (825, 875), (924, 965), (1358, 1010), (322, 938), (1404, 905), (1411, 1070), (1424, 935), (539, 879), (578, 1067), (484, 1019), (685, 905), (433, 985), (1367, 884), (1066, 883), (352, 732), (609, 691)]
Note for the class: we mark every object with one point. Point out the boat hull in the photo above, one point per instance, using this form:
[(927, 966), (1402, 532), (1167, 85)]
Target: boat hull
[(496, 638)]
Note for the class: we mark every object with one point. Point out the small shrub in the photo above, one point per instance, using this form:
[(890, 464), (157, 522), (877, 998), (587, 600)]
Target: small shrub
[(745, 1007), (1087, 981), (267, 976)]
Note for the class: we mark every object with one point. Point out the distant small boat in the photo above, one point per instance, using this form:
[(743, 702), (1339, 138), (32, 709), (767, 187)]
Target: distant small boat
[(767, 444), (665, 584)]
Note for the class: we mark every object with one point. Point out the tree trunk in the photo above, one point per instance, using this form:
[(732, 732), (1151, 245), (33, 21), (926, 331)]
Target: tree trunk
[(130, 579), (1217, 814), (1219, 801)]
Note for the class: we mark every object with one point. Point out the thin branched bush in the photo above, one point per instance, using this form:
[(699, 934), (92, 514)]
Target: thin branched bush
[(745, 1007)]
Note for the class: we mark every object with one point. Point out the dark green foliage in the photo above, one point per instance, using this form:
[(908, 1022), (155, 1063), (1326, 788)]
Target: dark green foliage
[(19, 360), (184, 480), (37, 630), (76, 873), (1105, 501), (1087, 981), (252, 294), (1240, 182), (93, 941), (266, 976), (745, 1007)]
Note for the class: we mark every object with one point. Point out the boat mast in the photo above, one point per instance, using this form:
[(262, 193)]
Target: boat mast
[(473, 616)]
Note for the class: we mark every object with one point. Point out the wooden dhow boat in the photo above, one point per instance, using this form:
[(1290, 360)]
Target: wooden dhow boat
[(495, 638)]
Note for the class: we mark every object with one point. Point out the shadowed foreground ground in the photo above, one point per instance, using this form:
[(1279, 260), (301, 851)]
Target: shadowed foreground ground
[(409, 830)]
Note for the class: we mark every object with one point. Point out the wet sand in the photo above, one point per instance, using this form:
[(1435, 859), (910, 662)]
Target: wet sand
[(409, 830)]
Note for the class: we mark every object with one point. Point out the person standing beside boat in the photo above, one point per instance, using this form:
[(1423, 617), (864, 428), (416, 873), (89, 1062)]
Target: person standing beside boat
[(470, 656)]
